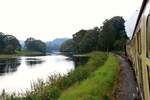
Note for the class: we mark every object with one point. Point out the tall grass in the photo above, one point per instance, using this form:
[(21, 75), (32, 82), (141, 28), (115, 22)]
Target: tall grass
[(98, 86), (57, 84)]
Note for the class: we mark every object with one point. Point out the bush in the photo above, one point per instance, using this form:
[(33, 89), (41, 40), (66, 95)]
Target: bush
[(54, 93)]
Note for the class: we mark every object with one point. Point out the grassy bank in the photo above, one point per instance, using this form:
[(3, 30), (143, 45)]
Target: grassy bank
[(98, 86), (91, 81), (7, 56), (57, 84), (28, 53), (21, 53)]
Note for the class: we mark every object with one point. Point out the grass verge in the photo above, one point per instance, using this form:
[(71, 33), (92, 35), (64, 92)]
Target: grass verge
[(99, 86), (28, 53), (21, 53)]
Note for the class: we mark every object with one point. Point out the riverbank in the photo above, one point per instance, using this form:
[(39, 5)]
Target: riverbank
[(21, 53), (95, 79), (98, 86), (29, 53)]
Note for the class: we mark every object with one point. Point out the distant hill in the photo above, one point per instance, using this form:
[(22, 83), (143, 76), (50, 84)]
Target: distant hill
[(51, 45), (22, 43), (55, 44)]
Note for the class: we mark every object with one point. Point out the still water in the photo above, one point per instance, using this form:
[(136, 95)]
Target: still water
[(17, 74)]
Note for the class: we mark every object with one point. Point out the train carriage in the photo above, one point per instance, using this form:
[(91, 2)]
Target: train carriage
[(138, 50)]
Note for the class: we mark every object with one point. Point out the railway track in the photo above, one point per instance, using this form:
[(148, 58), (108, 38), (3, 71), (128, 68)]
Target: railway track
[(126, 88)]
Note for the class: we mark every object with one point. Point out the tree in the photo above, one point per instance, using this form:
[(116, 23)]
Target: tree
[(2, 45), (67, 46), (77, 37), (86, 40), (8, 43), (107, 36), (112, 35), (89, 42), (29, 43), (35, 45), (11, 44)]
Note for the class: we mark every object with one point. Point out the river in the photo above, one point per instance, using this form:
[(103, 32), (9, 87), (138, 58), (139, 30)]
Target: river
[(17, 74)]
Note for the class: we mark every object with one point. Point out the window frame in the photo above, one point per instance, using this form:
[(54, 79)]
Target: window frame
[(139, 42), (147, 40)]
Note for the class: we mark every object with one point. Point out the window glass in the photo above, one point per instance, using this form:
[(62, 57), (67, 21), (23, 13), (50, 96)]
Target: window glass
[(148, 71), (140, 72), (148, 37), (140, 75), (139, 42)]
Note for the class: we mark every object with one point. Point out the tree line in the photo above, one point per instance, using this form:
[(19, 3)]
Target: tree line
[(35, 45), (109, 37), (9, 44)]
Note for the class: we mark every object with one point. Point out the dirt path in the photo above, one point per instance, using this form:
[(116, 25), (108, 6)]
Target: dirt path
[(126, 88)]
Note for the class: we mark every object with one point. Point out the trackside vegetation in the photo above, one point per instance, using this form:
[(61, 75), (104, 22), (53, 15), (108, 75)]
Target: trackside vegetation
[(111, 36), (98, 86), (56, 85)]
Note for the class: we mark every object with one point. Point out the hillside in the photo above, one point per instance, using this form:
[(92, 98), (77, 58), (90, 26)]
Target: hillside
[(22, 43), (55, 44)]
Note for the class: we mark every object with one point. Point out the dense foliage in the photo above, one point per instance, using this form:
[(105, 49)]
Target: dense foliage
[(86, 40), (8, 44), (54, 46), (109, 37), (99, 86), (67, 46), (112, 35), (35, 45)]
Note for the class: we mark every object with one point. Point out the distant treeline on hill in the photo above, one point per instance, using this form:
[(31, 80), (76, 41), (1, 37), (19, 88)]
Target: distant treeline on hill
[(9, 44), (35, 45), (53, 46), (109, 37)]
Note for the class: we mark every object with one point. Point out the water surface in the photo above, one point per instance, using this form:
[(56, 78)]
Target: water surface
[(16, 74)]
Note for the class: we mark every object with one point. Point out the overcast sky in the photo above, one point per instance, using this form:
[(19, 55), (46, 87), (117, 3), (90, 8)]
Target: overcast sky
[(49, 19)]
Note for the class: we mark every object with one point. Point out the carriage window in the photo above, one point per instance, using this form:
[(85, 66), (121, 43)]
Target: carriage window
[(148, 37), (148, 71), (139, 42), (140, 72)]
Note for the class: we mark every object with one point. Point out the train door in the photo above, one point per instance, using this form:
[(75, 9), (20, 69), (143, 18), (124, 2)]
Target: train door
[(147, 62), (139, 61)]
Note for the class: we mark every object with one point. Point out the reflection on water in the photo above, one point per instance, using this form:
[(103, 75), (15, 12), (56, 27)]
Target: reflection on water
[(80, 60), (8, 65), (16, 74), (33, 61)]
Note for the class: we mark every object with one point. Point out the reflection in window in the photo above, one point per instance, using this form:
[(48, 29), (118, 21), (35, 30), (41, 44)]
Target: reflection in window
[(148, 37)]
